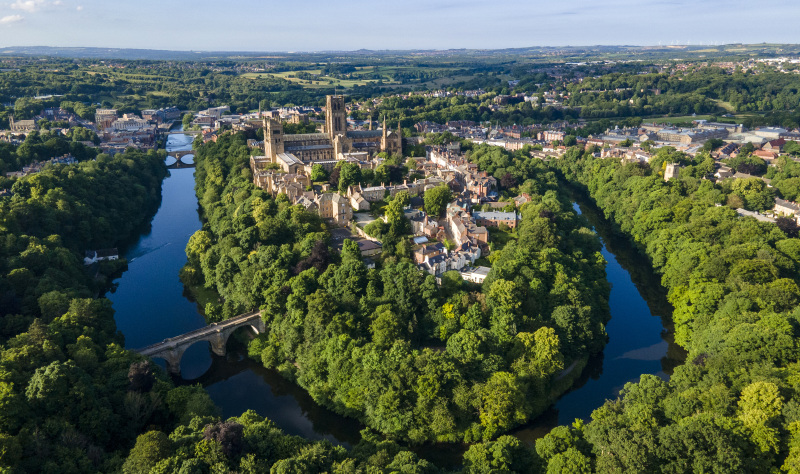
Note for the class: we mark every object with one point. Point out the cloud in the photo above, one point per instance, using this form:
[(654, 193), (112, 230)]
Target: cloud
[(32, 6), (79, 8), (10, 19)]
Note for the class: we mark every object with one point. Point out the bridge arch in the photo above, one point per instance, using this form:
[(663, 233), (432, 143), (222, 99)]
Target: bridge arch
[(178, 157), (216, 334)]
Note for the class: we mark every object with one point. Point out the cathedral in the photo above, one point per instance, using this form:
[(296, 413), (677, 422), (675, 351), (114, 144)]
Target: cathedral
[(292, 152)]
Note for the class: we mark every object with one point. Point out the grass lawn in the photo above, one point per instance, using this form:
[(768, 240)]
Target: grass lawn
[(725, 105), (687, 119), (500, 237)]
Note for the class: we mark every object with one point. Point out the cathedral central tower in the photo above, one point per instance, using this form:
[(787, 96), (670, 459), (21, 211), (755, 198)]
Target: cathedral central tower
[(335, 116)]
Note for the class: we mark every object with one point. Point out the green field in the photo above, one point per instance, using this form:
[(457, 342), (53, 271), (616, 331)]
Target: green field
[(725, 105), (321, 82), (362, 76)]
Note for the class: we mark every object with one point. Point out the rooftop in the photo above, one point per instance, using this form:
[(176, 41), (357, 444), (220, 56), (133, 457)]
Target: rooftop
[(293, 137), (495, 215)]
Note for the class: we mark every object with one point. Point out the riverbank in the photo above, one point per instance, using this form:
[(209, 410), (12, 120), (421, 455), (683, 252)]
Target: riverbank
[(640, 331), (733, 283), (237, 383)]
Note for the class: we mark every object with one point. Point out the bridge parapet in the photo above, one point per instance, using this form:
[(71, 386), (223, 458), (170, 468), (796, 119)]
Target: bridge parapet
[(178, 155), (217, 334)]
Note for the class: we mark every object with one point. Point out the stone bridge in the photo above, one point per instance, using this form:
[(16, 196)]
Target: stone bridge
[(184, 132), (178, 155), (172, 349)]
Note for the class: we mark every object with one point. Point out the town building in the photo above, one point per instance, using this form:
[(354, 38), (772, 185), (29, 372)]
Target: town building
[(22, 126), (103, 118), (369, 248), (475, 274), (216, 112), (786, 208), (495, 218), (686, 137), (129, 123), (334, 206), (427, 252)]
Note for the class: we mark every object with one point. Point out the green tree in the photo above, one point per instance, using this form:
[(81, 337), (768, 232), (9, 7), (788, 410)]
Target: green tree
[(436, 199), (759, 408), (506, 454), (318, 173), (150, 448), (754, 192), (349, 174), (792, 148), (502, 404), (394, 211)]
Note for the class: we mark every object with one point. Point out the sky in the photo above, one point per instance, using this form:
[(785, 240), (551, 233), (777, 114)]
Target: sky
[(323, 25)]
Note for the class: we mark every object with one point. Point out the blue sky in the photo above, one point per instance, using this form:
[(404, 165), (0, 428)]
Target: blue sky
[(317, 25)]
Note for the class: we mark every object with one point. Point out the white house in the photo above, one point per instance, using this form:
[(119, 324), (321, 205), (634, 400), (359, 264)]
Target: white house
[(475, 274), (92, 256)]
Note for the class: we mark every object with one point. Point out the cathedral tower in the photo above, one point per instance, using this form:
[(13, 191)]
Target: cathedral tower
[(335, 116), (273, 139)]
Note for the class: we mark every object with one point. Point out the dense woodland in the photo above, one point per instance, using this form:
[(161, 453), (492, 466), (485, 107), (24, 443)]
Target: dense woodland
[(765, 96), (72, 398), (412, 360), (732, 407)]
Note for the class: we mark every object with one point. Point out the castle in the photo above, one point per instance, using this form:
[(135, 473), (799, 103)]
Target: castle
[(293, 152)]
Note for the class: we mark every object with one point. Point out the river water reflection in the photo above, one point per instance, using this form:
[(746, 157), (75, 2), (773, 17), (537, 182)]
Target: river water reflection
[(151, 305), (640, 340)]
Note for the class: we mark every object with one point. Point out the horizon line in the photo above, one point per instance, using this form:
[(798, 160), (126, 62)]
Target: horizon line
[(209, 51)]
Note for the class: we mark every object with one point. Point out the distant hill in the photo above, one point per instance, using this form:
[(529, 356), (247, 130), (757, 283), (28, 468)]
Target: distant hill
[(119, 53), (584, 52)]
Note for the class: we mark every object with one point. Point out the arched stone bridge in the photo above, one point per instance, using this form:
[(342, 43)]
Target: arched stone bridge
[(172, 349), (178, 155)]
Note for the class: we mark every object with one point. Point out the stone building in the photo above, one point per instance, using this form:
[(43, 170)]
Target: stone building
[(334, 206), (129, 123), (495, 218), (786, 208), (292, 185), (672, 171), (336, 140), (103, 118), (22, 126)]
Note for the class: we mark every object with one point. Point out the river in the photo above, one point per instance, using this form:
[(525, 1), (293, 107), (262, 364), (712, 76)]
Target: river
[(640, 339), (151, 304)]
